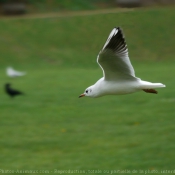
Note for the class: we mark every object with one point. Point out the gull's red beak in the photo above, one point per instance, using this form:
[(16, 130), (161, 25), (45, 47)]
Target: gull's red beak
[(82, 95)]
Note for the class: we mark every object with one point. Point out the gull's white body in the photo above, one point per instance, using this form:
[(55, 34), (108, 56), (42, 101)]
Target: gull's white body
[(103, 87), (118, 74), (14, 73)]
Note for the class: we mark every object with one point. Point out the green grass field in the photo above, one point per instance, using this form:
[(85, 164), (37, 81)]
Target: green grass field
[(62, 5), (50, 128)]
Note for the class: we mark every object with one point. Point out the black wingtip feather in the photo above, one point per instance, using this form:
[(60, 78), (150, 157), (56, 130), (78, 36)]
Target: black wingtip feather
[(117, 42)]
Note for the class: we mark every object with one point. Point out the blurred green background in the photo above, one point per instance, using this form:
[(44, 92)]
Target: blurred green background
[(50, 128)]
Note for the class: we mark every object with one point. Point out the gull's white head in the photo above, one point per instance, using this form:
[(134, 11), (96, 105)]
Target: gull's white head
[(88, 92)]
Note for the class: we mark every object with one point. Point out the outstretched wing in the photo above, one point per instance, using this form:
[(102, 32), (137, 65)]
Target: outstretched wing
[(114, 59)]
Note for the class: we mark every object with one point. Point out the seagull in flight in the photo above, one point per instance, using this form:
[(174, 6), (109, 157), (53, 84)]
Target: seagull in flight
[(118, 73), (14, 73)]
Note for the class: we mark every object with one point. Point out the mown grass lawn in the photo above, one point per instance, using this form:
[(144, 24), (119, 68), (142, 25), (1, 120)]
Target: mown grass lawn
[(51, 128)]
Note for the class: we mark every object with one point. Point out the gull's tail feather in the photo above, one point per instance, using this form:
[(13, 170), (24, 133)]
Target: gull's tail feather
[(157, 85), (149, 85)]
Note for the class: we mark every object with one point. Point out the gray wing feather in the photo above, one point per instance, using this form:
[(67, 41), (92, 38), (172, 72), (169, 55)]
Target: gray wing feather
[(113, 58)]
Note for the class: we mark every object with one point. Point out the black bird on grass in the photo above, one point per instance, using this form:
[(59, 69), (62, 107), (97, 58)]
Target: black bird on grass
[(11, 92)]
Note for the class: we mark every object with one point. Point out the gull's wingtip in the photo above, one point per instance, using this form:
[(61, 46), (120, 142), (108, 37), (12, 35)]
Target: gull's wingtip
[(118, 28), (115, 30)]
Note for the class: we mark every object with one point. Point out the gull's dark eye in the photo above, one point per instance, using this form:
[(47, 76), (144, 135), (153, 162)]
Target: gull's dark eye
[(87, 91)]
